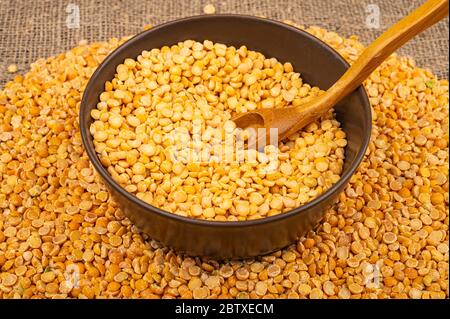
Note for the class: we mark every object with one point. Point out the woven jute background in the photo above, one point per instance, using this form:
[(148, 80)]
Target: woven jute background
[(36, 29)]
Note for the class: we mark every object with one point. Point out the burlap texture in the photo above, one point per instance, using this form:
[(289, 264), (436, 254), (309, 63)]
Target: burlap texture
[(35, 29)]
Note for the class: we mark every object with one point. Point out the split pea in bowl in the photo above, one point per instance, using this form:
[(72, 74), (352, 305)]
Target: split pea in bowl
[(319, 65)]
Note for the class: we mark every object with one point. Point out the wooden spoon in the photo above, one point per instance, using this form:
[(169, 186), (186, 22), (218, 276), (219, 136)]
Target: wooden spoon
[(289, 120)]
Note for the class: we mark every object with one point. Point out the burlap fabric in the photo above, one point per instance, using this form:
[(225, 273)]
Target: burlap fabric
[(34, 29)]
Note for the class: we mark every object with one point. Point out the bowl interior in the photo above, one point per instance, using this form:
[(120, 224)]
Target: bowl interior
[(318, 64)]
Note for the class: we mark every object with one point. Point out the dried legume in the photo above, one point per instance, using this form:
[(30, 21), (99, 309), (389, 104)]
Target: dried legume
[(415, 265), (196, 87)]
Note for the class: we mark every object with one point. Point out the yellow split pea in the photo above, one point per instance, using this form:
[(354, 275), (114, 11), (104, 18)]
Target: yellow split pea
[(161, 129)]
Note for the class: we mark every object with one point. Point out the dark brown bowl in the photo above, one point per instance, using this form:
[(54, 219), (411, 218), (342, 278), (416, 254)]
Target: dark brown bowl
[(318, 64)]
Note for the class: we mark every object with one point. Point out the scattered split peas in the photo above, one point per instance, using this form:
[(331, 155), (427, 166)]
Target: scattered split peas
[(70, 227), (148, 119)]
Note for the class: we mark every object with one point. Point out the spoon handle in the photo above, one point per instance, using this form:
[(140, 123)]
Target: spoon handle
[(422, 18)]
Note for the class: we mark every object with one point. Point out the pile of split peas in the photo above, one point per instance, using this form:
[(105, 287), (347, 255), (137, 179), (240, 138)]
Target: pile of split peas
[(163, 130), (61, 235)]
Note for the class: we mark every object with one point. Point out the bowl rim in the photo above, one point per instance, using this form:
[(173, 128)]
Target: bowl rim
[(92, 155)]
